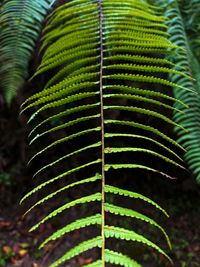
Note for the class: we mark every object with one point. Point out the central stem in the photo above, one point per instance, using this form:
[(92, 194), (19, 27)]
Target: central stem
[(102, 132)]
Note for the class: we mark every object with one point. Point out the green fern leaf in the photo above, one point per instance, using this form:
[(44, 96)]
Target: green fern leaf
[(130, 149), (91, 198), (126, 193), (65, 125), (116, 258), (82, 247), (105, 61), (87, 180), (63, 114), (119, 259), (21, 23), (81, 223), (67, 156), (111, 135), (145, 127), (124, 234), (39, 187), (130, 213), (190, 118)]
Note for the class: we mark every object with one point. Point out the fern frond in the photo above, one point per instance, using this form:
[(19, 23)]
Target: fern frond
[(106, 60), (124, 234), (140, 98), (63, 114), (126, 193), (67, 156), (65, 139), (87, 180), (146, 128), (119, 259), (110, 150), (109, 167), (83, 200), (21, 23), (133, 214), (116, 258), (139, 91), (81, 223), (66, 125), (140, 110), (190, 119), (39, 187), (190, 11), (111, 135), (77, 250)]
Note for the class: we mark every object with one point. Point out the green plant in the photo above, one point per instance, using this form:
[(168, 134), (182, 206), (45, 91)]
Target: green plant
[(105, 60), (5, 257), (188, 64), (190, 11), (21, 22)]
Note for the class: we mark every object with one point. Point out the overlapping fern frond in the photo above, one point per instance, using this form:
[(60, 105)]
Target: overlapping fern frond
[(188, 64), (190, 11), (105, 60), (21, 22)]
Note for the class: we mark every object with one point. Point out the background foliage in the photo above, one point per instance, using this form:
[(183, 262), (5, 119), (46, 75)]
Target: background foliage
[(21, 23)]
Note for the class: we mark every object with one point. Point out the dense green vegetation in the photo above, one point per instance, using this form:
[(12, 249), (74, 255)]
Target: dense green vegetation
[(113, 116)]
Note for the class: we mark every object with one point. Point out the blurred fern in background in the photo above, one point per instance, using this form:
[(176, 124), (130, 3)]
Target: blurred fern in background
[(184, 28), (21, 22)]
